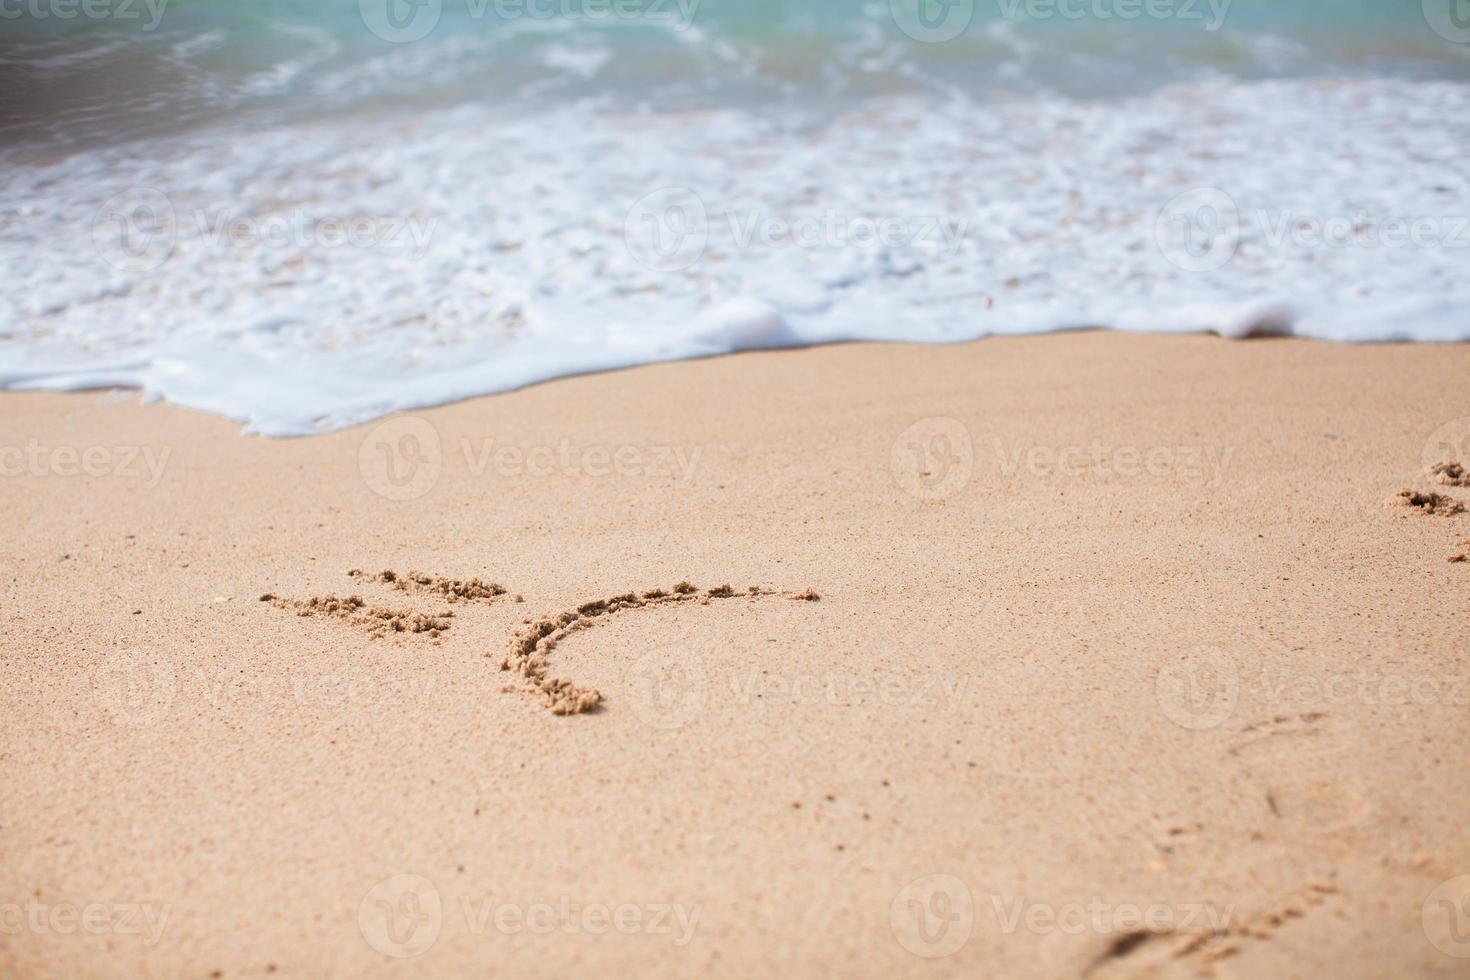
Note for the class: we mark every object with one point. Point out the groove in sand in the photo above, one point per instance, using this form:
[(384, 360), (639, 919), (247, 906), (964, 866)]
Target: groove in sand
[(529, 648), (353, 610)]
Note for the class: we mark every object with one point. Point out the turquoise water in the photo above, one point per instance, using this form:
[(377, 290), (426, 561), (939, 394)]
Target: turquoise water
[(151, 67), (306, 214)]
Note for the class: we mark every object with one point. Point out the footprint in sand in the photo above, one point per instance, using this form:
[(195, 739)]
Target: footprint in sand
[(1204, 936), (1263, 736), (529, 648), (1307, 796)]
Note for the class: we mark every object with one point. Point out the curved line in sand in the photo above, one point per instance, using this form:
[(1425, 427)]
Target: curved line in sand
[(528, 649)]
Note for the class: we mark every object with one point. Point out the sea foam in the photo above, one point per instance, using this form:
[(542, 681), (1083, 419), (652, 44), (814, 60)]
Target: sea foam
[(315, 275)]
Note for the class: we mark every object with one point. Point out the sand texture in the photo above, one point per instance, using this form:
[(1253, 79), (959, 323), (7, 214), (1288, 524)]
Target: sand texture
[(1089, 655)]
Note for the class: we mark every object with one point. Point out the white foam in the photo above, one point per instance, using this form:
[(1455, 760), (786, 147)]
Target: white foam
[(584, 62), (465, 254)]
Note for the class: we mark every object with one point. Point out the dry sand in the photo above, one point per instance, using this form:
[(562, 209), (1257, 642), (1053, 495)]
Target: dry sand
[(1128, 661)]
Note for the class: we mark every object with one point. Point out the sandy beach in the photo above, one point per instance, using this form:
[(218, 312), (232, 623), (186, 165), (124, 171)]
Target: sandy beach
[(1084, 655)]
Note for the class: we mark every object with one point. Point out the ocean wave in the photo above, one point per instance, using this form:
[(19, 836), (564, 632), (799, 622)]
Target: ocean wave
[(312, 276)]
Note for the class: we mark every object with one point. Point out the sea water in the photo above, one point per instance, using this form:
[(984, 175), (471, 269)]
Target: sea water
[(305, 214)]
